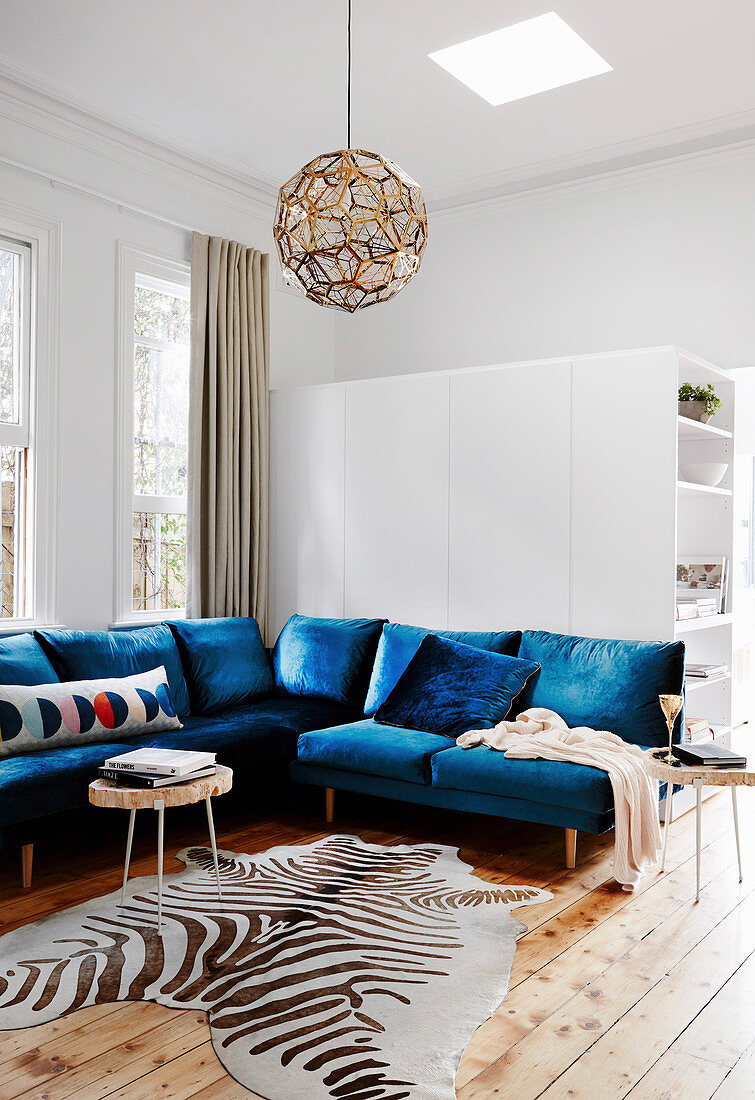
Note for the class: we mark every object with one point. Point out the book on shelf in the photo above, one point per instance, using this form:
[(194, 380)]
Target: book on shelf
[(704, 672), (693, 726), (169, 762), (686, 611), (152, 782), (704, 581)]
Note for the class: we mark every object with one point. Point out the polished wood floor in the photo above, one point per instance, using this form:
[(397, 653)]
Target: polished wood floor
[(646, 995)]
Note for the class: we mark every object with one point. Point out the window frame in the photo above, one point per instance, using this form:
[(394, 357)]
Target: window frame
[(37, 431), (136, 265)]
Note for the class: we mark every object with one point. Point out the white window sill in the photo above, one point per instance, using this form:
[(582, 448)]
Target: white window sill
[(148, 618), (26, 626)]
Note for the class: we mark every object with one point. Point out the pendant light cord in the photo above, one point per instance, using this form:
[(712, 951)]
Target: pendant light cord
[(348, 80)]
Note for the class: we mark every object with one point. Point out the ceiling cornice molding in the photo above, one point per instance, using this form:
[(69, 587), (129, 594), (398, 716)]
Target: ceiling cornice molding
[(601, 176), (41, 110)]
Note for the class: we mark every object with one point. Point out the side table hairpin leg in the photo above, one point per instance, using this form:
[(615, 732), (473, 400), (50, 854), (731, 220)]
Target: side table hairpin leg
[(736, 828), (698, 785), (129, 841), (211, 827), (668, 817), (160, 807)]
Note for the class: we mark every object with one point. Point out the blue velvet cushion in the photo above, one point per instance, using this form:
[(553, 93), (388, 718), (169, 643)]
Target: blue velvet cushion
[(373, 750), (23, 661), (225, 662), (398, 644), (326, 658), (605, 683), (97, 654), (450, 688), (554, 782)]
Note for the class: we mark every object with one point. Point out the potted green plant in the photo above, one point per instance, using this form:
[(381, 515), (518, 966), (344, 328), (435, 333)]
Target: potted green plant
[(698, 402)]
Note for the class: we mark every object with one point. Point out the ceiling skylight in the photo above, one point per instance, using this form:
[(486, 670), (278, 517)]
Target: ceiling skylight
[(522, 60)]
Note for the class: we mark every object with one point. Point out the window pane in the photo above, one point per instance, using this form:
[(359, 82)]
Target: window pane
[(12, 484), (10, 334), (161, 413), (159, 561), (161, 316)]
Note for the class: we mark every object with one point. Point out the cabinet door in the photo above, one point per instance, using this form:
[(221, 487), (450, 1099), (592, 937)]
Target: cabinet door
[(624, 494), (306, 503), (510, 498), (397, 499)]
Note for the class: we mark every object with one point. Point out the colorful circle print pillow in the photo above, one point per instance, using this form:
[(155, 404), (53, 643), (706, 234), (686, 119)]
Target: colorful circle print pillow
[(78, 712)]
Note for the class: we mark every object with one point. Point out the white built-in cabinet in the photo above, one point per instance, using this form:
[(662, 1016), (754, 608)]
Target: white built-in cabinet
[(537, 495)]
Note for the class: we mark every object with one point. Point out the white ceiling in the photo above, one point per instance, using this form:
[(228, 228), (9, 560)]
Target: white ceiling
[(259, 85)]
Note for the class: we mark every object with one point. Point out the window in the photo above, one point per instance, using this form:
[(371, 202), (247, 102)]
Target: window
[(15, 352), (155, 410)]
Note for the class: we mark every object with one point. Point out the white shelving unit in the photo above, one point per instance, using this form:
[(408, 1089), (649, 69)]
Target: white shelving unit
[(705, 526)]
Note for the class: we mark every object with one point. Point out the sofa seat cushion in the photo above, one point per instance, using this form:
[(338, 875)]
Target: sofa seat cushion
[(604, 683), (97, 654), (367, 747), (551, 782), (225, 662), (398, 644), (258, 741)]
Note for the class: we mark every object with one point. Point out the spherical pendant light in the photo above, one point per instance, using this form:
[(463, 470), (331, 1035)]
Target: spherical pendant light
[(350, 226)]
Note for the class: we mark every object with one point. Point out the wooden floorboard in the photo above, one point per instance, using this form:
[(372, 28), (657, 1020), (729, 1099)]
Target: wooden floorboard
[(645, 995)]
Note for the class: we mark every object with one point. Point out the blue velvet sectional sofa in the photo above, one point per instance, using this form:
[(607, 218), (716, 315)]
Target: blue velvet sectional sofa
[(306, 711)]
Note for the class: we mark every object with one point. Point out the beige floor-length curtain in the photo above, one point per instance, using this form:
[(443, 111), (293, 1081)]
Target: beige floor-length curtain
[(228, 431)]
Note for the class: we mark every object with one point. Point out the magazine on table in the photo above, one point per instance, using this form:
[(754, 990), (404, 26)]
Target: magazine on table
[(168, 762)]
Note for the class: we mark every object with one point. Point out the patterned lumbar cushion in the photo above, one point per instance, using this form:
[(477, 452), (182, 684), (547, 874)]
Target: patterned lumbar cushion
[(51, 716)]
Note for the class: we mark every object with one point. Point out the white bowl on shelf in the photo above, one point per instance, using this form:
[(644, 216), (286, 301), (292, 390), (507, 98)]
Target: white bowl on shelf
[(703, 473)]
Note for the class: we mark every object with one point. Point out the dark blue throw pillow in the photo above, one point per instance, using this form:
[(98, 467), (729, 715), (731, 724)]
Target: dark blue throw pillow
[(225, 662), (398, 644), (450, 688), (326, 658), (101, 654)]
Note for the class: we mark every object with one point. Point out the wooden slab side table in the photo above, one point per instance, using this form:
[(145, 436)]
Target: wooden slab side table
[(104, 792), (697, 777)]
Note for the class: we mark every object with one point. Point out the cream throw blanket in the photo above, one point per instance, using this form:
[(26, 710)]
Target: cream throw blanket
[(540, 734)]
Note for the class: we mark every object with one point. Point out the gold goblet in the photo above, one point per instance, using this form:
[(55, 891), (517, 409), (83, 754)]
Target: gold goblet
[(670, 705)]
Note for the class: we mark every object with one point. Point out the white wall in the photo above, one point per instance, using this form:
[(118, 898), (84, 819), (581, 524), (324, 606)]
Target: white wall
[(302, 336), (662, 255)]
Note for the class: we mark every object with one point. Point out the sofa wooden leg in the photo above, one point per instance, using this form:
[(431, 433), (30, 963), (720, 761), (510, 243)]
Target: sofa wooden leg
[(27, 855), (330, 802), (571, 848)]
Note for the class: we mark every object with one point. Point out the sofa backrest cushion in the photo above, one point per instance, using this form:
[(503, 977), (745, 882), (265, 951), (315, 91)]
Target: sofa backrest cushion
[(97, 654), (605, 683), (398, 644), (450, 688), (326, 658), (23, 661), (224, 661), (60, 715)]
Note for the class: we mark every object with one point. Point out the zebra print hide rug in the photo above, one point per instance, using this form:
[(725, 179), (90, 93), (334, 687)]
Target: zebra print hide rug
[(337, 970)]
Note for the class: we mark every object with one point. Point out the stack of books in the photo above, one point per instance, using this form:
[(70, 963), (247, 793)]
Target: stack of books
[(696, 607), (705, 672), (696, 729), (151, 768)]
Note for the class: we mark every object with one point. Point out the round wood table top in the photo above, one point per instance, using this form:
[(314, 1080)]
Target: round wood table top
[(104, 792), (688, 773)]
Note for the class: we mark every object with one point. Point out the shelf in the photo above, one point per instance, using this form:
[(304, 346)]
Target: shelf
[(693, 683), (712, 490), (693, 429), (705, 622)]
